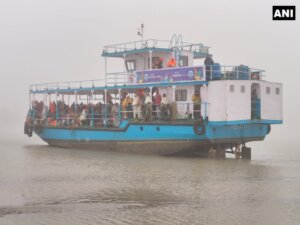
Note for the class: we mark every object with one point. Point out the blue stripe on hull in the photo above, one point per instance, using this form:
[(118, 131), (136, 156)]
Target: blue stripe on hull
[(152, 133)]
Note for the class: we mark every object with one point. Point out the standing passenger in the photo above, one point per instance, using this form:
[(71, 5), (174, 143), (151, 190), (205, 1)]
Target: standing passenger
[(164, 107), (157, 102), (136, 107), (148, 105)]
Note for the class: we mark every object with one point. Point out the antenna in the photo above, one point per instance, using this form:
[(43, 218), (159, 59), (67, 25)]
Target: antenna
[(141, 32)]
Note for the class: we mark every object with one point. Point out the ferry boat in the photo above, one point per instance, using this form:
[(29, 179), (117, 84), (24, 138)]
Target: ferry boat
[(163, 103)]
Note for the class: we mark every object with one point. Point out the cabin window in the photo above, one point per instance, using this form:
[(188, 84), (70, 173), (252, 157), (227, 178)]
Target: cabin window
[(277, 91), (183, 61), (243, 88), (130, 65), (231, 88), (181, 95), (268, 90), (155, 62)]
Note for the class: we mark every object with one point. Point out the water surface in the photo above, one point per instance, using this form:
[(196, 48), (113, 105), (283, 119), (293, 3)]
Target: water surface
[(44, 185)]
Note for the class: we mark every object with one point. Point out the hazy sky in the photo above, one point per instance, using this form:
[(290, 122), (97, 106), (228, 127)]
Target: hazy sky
[(61, 40)]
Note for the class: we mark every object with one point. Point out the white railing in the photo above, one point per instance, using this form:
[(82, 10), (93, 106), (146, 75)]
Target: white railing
[(67, 85), (119, 78), (153, 43), (218, 72), (150, 43), (105, 115), (213, 72)]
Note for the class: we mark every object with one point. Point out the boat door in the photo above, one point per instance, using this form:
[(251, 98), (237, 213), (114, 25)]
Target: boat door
[(255, 101)]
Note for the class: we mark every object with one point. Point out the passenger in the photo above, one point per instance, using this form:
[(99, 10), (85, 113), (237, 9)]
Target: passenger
[(82, 117), (208, 62), (157, 102), (129, 107), (142, 103), (254, 95), (136, 105), (44, 114), (160, 63), (148, 109), (197, 105), (115, 113), (124, 107), (164, 107), (171, 63)]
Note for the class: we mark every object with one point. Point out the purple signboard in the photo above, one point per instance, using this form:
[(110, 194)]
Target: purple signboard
[(169, 75)]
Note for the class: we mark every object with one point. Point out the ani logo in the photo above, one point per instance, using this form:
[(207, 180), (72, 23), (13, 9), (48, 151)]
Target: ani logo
[(284, 12)]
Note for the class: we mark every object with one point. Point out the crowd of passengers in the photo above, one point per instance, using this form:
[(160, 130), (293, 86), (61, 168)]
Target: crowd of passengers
[(142, 106)]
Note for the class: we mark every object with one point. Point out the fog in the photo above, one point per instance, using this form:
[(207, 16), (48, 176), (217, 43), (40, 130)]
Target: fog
[(62, 40)]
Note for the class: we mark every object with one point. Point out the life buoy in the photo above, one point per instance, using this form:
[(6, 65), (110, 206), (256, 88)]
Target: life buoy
[(199, 127)]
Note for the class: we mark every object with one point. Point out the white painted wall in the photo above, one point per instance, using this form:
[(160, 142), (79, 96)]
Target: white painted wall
[(271, 104), (238, 103), (216, 99), (225, 105)]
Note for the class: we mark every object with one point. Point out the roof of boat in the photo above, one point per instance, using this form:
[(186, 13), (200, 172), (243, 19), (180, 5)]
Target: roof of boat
[(145, 46), (76, 86)]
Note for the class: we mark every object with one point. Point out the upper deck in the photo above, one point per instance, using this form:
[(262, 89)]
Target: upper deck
[(154, 45), (146, 65)]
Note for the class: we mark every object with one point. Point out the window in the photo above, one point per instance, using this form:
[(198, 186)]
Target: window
[(183, 61), (277, 91), (181, 95), (155, 60), (268, 90), (231, 88), (130, 65), (243, 88)]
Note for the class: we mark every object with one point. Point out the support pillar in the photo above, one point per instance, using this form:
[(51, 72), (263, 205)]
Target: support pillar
[(119, 106), (150, 60), (173, 104), (246, 152), (75, 103), (105, 70), (105, 108), (57, 109), (92, 101)]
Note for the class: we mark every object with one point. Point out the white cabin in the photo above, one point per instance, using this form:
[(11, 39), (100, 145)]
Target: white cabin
[(231, 93)]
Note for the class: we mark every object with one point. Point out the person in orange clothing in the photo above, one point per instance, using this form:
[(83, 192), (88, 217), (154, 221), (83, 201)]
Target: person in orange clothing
[(171, 63)]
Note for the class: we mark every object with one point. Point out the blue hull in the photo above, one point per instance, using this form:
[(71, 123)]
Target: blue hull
[(162, 138)]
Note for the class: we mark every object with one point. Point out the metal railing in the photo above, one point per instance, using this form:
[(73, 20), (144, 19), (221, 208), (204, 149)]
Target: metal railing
[(128, 46), (213, 72), (176, 43), (109, 117), (218, 72), (67, 85), (119, 78)]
